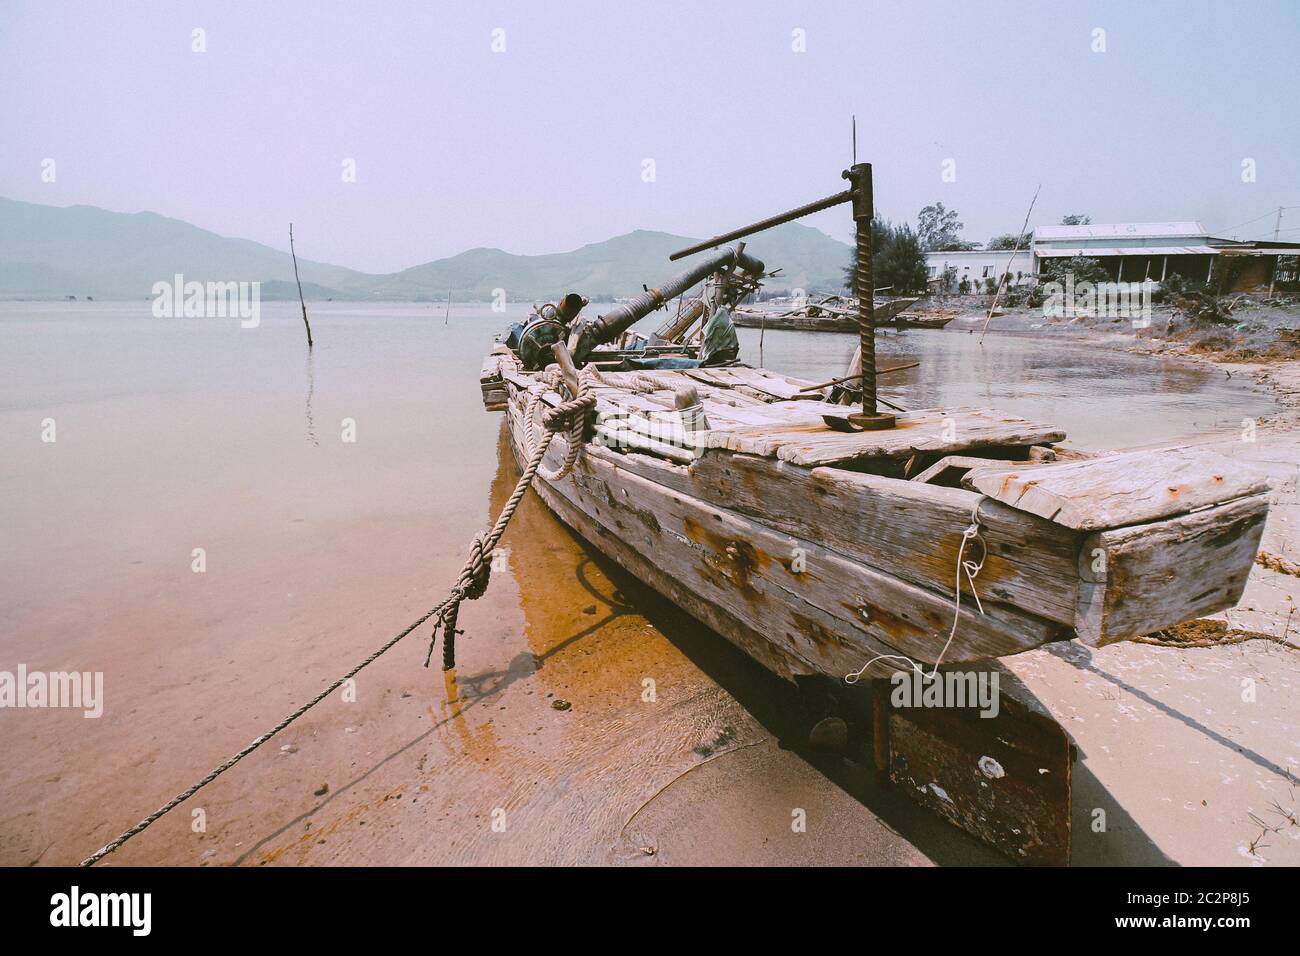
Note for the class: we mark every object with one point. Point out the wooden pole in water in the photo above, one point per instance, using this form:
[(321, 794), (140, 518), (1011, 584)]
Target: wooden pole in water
[(1007, 271), (301, 301)]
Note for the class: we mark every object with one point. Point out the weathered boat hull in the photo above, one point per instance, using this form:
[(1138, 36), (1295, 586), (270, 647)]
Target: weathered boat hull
[(740, 579), (825, 570)]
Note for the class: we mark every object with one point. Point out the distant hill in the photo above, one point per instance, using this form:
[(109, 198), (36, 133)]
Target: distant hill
[(807, 258), (274, 290), (49, 252)]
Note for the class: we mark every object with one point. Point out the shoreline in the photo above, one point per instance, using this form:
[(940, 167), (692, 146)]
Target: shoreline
[(1275, 376)]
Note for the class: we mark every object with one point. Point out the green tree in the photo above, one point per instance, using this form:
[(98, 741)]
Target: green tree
[(903, 264), (1076, 219), (939, 230), (1082, 268), (1009, 241), (897, 260)]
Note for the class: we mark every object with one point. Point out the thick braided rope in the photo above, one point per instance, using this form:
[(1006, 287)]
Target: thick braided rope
[(574, 438), (574, 411), (474, 576), (182, 797), (473, 580), (634, 382)]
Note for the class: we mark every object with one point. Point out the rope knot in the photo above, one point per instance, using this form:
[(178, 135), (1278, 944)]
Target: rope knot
[(478, 567), (471, 586), (570, 415)]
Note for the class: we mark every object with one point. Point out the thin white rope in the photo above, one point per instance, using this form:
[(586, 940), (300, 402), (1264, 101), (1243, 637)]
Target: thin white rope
[(972, 570)]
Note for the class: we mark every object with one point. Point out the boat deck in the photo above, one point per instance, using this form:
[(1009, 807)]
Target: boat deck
[(759, 412)]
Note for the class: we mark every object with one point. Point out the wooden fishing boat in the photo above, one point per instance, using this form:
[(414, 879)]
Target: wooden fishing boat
[(923, 321), (818, 552), (824, 552), (926, 320)]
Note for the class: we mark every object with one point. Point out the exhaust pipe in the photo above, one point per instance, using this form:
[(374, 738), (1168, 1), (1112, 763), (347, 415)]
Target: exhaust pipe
[(588, 334)]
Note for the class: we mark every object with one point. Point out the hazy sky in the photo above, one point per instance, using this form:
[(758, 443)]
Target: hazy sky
[(540, 148)]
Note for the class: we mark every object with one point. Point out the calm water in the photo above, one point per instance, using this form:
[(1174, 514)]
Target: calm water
[(176, 435), (1102, 398)]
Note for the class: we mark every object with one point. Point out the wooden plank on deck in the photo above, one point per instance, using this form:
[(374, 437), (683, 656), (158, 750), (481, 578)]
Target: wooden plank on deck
[(935, 430), (1118, 490)]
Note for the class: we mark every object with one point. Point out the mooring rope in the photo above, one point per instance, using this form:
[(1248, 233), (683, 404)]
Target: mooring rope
[(972, 569), (474, 576), (472, 584), (577, 423), (186, 794)]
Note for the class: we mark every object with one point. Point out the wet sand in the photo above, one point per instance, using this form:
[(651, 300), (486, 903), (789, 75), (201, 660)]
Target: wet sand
[(1191, 754), (420, 768)]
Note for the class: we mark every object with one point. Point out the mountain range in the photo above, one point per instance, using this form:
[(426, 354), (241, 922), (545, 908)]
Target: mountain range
[(51, 252)]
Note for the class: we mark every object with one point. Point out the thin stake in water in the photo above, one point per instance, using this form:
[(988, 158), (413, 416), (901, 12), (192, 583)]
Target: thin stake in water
[(301, 301)]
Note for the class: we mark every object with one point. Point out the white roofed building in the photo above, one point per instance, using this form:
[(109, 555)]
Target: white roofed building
[(1129, 252), (980, 265)]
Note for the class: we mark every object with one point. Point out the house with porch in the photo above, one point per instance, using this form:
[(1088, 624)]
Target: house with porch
[(1132, 252)]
